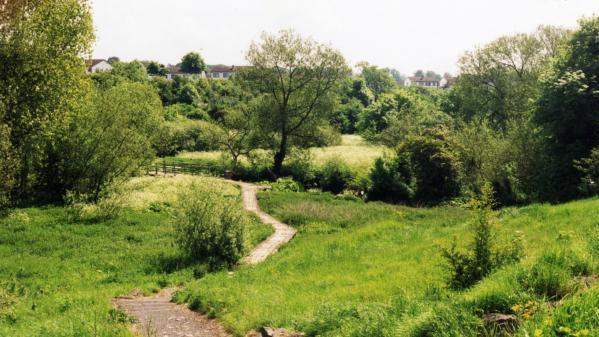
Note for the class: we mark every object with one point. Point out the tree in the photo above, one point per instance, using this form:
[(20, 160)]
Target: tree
[(378, 80), (42, 47), (156, 69), (193, 63), (133, 71), (419, 73), (108, 140), (113, 60), (568, 109), (296, 80), (500, 81), (236, 133), (432, 74)]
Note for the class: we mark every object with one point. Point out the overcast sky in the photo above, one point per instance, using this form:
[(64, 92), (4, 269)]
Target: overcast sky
[(402, 34)]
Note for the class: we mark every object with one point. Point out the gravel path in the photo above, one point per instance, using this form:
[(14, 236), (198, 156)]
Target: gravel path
[(157, 316)]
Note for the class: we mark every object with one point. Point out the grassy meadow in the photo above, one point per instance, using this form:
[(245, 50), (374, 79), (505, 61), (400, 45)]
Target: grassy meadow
[(353, 150), (58, 275), (371, 269)]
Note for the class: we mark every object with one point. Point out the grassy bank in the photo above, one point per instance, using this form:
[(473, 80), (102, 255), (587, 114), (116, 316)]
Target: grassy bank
[(369, 269), (58, 275)]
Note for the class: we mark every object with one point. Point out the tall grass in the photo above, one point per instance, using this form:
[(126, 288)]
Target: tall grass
[(370, 269), (58, 275)]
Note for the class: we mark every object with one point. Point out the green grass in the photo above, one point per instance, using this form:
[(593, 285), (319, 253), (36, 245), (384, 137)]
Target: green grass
[(356, 152), (370, 269), (58, 276)]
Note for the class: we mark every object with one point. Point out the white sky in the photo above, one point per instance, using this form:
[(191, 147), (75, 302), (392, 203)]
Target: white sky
[(403, 34)]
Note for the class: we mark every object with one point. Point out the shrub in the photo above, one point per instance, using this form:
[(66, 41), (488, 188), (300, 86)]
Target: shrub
[(434, 165), (391, 180), (469, 267), (552, 274), (589, 167), (300, 168), (334, 176), (210, 228), (286, 185), (425, 169)]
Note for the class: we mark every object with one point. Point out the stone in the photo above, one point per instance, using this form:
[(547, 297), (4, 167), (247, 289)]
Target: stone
[(501, 321), (274, 332)]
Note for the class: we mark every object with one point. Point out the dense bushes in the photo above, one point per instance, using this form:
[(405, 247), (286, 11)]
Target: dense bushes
[(334, 176), (210, 228), (179, 136), (425, 169)]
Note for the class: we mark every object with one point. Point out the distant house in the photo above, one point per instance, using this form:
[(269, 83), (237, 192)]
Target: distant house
[(447, 81), (221, 72), (428, 82), (174, 71), (98, 65)]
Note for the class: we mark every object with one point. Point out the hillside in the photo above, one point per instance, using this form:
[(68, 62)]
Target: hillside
[(370, 269)]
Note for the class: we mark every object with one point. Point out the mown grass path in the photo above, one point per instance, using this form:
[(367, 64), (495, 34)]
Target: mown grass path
[(157, 316)]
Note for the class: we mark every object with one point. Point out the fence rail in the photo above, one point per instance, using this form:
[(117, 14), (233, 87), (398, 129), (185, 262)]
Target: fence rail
[(173, 167)]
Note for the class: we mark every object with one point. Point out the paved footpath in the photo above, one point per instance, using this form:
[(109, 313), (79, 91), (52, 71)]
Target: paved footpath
[(157, 316), (283, 233)]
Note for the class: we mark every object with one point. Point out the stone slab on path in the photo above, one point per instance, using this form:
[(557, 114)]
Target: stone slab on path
[(157, 316)]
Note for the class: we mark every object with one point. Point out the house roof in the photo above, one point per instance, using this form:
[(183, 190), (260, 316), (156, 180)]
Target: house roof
[(220, 68), (174, 70), (94, 62), (423, 79)]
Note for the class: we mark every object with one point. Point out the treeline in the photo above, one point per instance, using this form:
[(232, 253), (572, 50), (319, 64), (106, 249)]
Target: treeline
[(523, 115)]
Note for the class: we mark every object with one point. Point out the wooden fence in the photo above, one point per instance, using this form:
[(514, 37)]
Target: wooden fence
[(173, 167)]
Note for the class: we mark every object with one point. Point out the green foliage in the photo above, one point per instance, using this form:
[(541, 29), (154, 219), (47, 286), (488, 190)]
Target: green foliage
[(286, 185), (552, 274), (292, 110), (8, 167), (156, 69), (392, 180), (568, 110), (108, 141), (468, 268), (424, 170), (210, 228), (192, 63), (346, 116), (500, 81), (335, 176), (510, 160), (589, 167), (178, 110), (377, 80), (42, 45), (396, 115), (185, 135)]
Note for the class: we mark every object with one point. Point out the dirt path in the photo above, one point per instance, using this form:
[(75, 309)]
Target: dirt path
[(157, 316)]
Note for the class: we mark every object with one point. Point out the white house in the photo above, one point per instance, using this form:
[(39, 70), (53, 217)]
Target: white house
[(98, 65), (428, 82), (174, 71)]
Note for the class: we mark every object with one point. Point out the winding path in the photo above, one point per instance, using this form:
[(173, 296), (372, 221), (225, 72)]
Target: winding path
[(157, 316)]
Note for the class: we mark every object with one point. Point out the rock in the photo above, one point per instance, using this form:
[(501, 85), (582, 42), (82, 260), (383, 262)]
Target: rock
[(273, 332), (501, 321)]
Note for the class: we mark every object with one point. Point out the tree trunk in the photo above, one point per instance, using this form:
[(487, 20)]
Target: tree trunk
[(280, 157)]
